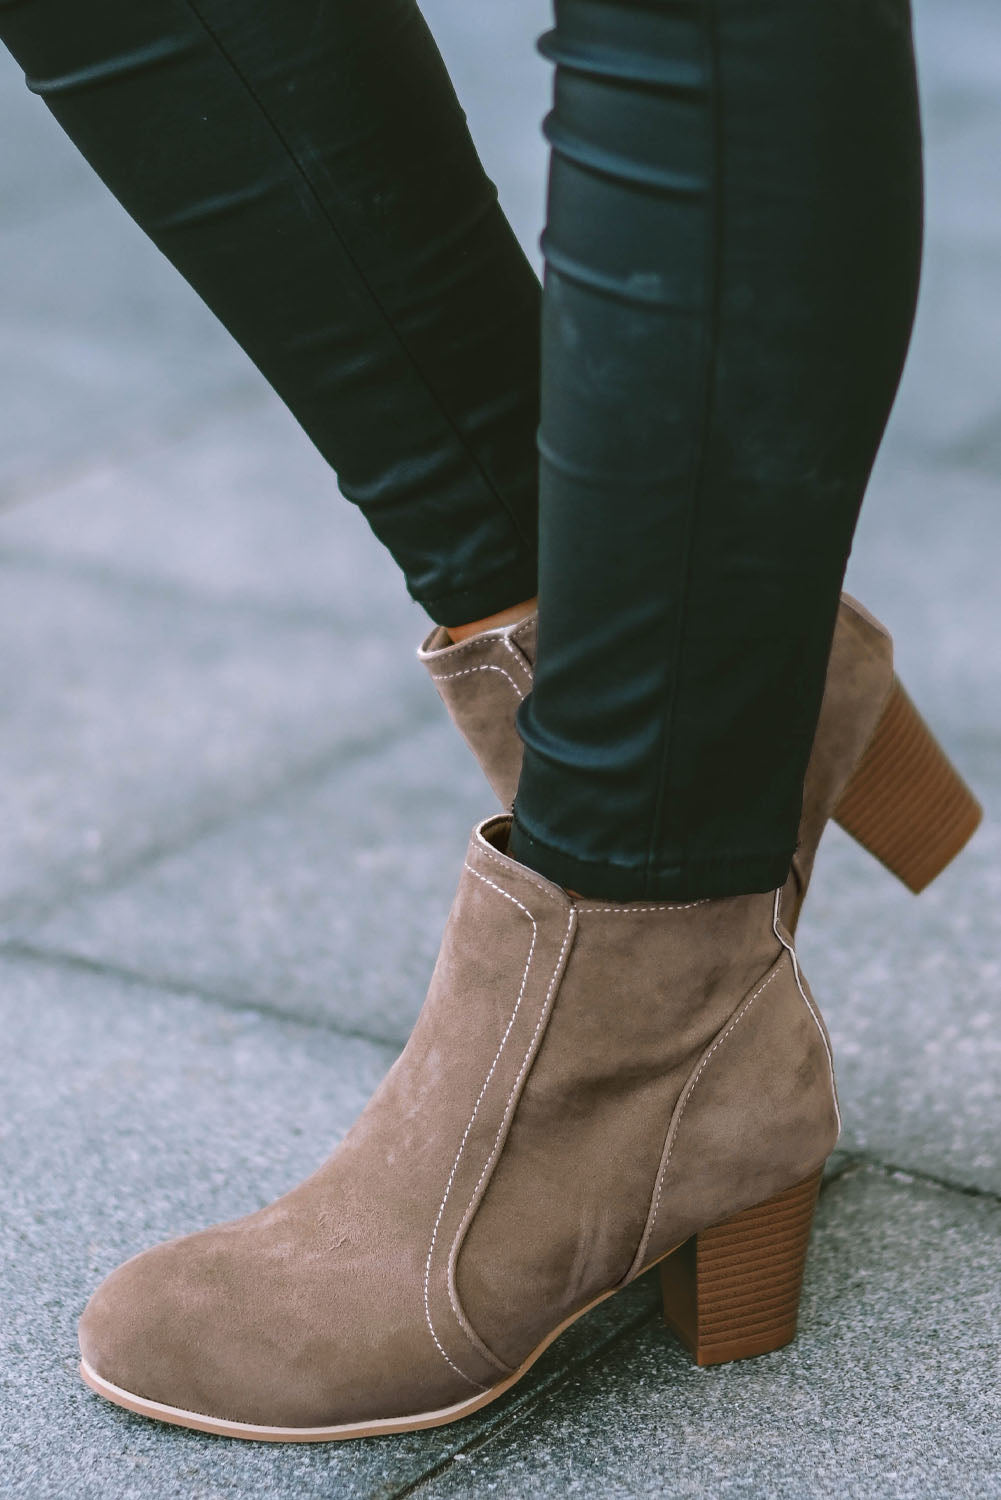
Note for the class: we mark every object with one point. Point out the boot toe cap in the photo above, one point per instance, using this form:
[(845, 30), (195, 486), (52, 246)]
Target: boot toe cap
[(216, 1326), (188, 1325), (136, 1333)]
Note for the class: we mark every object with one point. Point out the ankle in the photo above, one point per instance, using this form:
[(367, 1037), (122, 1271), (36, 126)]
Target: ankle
[(509, 616)]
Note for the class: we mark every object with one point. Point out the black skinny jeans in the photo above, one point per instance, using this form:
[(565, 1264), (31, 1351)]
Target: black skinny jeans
[(732, 255)]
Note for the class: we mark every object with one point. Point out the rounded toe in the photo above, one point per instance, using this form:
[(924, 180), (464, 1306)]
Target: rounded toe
[(129, 1330), (204, 1327)]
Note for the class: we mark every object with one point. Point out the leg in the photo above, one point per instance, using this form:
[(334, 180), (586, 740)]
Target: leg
[(308, 170), (732, 262), (595, 1088)]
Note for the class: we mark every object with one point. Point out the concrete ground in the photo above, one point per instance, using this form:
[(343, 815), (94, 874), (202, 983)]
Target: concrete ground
[(227, 856)]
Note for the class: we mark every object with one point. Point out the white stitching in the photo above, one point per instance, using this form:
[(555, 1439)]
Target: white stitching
[(519, 657), (690, 1091), (599, 911), (485, 638), (484, 849), (453, 648), (517, 635), (806, 1001), (510, 1098), (476, 1106), (487, 667), (722, 1038)]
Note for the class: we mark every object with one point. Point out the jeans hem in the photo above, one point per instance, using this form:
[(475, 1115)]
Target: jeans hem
[(695, 879), (511, 585)]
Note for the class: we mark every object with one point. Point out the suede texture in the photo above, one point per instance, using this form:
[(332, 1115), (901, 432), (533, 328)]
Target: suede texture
[(859, 680), (647, 987), (313, 1310), (758, 1114), (506, 1172), (483, 680)]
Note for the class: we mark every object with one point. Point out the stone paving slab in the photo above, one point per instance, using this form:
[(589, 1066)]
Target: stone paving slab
[(108, 345), (130, 1116), (910, 991), (131, 719), (240, 511), (890, 1392), (951, 390), (38, 166), (957, 330), (962, 175), (923, 561), (912, 986), (327, 904), (112, 346), (959, 54)]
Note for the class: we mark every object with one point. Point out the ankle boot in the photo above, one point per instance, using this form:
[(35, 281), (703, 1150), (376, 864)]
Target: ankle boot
[(875, 767), (591, 1089)]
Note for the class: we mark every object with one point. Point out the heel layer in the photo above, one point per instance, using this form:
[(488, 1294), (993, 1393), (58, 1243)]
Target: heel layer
[(906, 803), (733, 1291)]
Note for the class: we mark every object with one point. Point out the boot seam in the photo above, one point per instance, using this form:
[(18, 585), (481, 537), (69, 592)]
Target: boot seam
[(619, 911), (787, 956), (496, 1151), (530, 620), (821, 1028), (465, 1136), (487, 667), (429, 654), (485, 852), (520, 657), (674, 1128)]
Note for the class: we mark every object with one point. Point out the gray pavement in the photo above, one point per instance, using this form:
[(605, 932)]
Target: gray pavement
[(216, 749)]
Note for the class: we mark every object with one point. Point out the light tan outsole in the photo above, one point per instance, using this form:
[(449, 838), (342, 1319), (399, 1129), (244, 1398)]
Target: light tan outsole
[(386, 1427)]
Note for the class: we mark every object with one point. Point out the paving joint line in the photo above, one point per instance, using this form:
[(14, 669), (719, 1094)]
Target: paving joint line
[(852, 1161), (142, 585), (78, 963), (345, 754), (228, 399), (867, 1161), (524, 1408), (15, 948)]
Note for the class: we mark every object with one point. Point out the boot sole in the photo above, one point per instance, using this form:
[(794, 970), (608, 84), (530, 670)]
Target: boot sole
[(385, 1427), (730, 1292)]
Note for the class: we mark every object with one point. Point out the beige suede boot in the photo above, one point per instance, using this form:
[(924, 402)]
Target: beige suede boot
[(875, 768), (591, 1089)]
